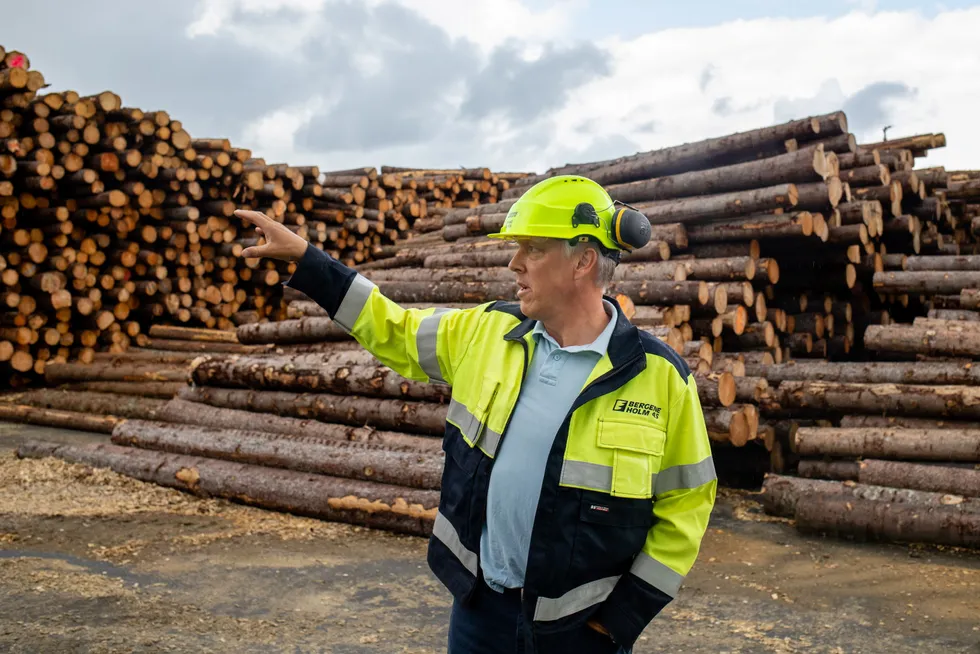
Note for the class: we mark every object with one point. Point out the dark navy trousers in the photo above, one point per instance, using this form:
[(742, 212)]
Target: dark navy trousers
[(493, 624)]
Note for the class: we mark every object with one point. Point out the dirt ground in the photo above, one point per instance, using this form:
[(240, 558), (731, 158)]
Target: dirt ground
[(94, 562)]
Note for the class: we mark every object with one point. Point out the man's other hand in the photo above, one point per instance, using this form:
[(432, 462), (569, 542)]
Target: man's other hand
[(280, 243)]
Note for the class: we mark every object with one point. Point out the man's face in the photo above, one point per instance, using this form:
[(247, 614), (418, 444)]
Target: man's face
[(545, 276)]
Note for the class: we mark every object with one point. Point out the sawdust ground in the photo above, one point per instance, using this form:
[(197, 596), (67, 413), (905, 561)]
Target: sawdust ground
[(91, 561)]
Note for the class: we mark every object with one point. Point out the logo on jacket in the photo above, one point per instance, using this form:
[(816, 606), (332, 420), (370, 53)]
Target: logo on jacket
[(637, 408)]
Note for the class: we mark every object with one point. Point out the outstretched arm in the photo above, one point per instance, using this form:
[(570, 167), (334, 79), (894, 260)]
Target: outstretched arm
[(419, 344)]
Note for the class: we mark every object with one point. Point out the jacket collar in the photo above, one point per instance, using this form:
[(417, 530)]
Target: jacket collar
[(624, 344)]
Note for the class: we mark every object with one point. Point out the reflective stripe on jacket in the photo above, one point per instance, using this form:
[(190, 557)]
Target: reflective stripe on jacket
[(629, 484)]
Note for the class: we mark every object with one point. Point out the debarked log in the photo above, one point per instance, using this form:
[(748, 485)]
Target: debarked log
[(370, 504), (347, 459)]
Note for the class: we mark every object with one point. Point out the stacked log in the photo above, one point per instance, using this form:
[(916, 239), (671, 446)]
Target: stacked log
[(115, 219)]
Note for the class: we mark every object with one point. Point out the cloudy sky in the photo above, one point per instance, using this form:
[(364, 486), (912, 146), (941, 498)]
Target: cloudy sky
[(513, 84)]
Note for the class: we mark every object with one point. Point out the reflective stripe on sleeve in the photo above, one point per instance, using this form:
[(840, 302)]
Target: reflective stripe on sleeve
[(426, 340), (445, 532), (691, 475), (657, 574), (575, 600), (353, 303)]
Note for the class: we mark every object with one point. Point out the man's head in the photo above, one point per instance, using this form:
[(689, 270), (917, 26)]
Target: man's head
[(570, 235), (555, 276)]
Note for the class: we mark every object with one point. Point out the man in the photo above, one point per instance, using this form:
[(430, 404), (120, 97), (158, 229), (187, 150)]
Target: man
[(578, 479)]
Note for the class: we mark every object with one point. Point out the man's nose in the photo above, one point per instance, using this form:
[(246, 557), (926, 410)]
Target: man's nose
[(516, 262)]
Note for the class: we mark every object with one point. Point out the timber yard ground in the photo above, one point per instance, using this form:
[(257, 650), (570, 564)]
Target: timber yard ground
[(94, 562)]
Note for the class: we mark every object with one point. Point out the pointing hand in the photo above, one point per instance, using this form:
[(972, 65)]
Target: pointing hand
[(280, 242)]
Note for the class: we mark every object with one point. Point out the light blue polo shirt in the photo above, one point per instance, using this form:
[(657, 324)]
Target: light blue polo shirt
[(555, 377)]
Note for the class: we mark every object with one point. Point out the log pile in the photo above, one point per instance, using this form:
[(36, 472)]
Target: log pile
[(822, 292), (115, 219)]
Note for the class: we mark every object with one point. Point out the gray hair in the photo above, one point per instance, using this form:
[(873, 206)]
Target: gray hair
[(605, 267)]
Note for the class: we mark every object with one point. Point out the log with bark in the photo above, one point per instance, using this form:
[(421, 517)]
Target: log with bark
[(930, 477), (396, 415), (365, 503), (960, 402), (783, 495), (312, 373), (194, 413), (888, 443), (347, 459)]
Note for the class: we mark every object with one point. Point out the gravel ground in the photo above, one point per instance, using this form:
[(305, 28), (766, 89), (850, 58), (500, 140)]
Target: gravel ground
[(94, 562)]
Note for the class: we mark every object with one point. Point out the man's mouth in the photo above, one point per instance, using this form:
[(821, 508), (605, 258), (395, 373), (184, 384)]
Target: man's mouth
[(522, 289)]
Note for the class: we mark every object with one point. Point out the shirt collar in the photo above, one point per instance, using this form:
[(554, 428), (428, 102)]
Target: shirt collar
[(599, 345)]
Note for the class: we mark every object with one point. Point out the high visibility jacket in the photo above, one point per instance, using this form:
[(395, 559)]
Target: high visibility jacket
[(629, 483)]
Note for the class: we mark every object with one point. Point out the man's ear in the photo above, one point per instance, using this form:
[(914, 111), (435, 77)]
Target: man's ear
[(586, 260)]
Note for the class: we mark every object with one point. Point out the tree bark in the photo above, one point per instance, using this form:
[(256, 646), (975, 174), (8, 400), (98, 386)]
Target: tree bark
[(851, 422), (55, 373), (695, 293), (370, 504), (106, 404), (872, 372), (914, 340), (783, 169), (954, 314), (32, 415), (194, 346), (395, 415), (943, 263), (739, 268), (760, 226), (970, 299), (470, 259), (194, 413), (303, 330), (159, 390), (783, 496), (930, 478), (918, 444), (346, 459), (719, 207), (652, 251), (698, 155), (716, 389), (865, 519), (313, 375), (961, 402), (193, 334)]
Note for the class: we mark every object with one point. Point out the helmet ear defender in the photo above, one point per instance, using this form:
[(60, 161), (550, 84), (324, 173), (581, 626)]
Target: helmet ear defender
[(630, 229)]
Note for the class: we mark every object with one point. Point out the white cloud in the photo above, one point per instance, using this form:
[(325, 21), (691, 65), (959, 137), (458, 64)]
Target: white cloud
[(759, 63), (671, 86), (488, 23), (272, 136)]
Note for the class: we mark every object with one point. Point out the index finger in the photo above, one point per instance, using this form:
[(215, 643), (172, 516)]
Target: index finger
[(256, 217)]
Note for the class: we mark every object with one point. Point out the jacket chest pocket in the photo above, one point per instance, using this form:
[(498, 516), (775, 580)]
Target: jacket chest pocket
[(637, 452)]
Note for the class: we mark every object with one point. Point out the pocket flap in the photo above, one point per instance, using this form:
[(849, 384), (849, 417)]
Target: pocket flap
[(632, 436)]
